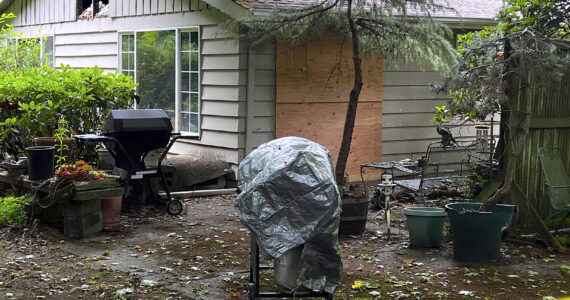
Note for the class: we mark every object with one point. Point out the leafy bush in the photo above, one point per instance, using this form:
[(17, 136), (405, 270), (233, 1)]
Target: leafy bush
[(18, 53), (14, 210), (32, 103)]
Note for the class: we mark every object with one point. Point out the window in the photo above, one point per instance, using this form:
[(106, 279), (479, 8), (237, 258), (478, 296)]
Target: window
[(47, 49), (166, 66)]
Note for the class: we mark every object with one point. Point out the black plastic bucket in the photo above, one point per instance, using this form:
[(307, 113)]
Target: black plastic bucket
[(477, 235), (40, 162)]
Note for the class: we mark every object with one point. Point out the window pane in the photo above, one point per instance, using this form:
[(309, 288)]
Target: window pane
[(193, 103), (194, 82), (125, 62), (194, 61), (185, 61), (185, 81), (185, 101), (125, 43), (194, 40), (185, 43), (184, 122), (156, 69), (193, 123)]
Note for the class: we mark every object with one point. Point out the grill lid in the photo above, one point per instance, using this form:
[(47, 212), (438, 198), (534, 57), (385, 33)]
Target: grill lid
[(137, 120)]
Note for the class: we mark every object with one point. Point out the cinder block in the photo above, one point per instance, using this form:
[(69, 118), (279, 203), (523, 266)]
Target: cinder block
[(81, 208), (78, 227)]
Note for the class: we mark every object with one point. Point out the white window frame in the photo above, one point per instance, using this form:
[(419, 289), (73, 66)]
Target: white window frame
[(178, 72)]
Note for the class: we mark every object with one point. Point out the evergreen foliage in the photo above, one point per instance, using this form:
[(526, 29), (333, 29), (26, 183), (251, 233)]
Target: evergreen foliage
[(394, 29), (400, 31)]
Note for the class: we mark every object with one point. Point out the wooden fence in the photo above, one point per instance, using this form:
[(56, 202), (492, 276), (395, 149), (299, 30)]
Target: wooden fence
[(550, 127)]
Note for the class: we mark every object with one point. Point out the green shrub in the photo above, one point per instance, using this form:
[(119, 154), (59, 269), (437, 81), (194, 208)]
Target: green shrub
[(14, 210), (34, 102)]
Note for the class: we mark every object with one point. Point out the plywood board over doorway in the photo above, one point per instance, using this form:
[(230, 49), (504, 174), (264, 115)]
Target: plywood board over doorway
[(313, 83)]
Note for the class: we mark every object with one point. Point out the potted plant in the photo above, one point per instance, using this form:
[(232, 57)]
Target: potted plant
[(497, 70)]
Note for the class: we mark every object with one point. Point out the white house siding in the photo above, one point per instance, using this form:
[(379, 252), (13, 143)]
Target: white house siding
[(125, 8), (261, 102), (33, 12), (86, 43)]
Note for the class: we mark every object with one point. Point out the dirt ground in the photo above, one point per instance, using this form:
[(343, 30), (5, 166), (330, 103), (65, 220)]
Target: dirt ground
[(204, 254)]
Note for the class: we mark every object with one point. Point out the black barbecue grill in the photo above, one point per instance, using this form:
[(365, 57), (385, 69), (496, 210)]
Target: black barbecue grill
[(130, 135)]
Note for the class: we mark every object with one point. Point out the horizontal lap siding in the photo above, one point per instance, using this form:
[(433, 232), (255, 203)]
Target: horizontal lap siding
[(224, 86), (409, 105), (84, 50), (262, 122)]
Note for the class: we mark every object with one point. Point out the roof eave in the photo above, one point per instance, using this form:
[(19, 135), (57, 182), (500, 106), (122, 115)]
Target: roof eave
[(229, 8)]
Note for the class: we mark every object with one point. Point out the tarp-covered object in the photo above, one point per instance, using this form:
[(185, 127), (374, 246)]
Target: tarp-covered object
[(290, 198)]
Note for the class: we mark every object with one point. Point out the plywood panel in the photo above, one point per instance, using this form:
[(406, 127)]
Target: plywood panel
[(324, 123), (304, 73)]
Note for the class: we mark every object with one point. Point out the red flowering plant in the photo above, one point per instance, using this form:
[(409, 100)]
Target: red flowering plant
[(79, 171)]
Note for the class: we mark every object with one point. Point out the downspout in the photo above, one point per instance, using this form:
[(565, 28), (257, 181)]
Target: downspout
[(250, 101)]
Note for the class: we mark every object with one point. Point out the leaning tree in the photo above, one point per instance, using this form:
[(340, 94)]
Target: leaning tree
[(527, 49), (401, 30)]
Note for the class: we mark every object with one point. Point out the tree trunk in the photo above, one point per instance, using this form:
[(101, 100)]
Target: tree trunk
[(353, 100), (504, 190)]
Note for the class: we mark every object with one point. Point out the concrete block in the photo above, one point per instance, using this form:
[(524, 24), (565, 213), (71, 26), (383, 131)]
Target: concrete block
[(81, 208), (78, 227)]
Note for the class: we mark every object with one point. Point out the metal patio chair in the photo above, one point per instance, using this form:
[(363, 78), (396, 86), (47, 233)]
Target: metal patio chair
[(557, 181)]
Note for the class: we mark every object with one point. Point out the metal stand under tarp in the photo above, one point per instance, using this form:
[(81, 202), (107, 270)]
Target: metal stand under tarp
[(253, 287)]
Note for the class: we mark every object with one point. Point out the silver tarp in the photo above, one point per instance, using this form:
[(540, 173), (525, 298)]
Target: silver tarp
[(290, 198)]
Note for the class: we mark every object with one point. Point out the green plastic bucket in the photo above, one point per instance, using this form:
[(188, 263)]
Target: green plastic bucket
[(425, 225), (477, 235)]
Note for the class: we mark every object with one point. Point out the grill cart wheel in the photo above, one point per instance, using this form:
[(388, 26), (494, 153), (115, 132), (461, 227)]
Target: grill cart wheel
[(174, 207)]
